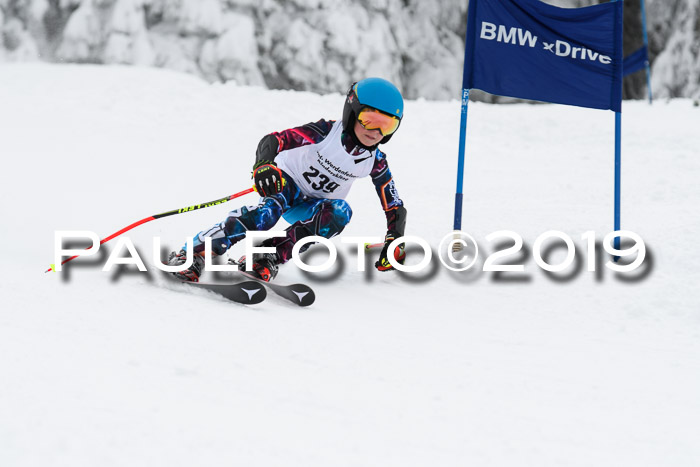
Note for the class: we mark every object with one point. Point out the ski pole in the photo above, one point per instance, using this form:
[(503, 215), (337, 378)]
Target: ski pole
[(158, 216), (369, 246)]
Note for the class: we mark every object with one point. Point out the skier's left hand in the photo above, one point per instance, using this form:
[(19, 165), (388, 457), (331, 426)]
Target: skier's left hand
[(399, 253)]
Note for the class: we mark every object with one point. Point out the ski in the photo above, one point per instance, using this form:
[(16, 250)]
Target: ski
[(248, 292), (299, 294)]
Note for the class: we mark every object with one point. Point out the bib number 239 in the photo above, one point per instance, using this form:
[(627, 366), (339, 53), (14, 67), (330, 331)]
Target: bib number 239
[(319, 181)]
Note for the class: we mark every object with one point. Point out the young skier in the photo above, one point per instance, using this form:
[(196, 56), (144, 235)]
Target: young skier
[(303, 175)]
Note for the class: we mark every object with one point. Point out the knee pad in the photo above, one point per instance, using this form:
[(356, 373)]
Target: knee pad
[(341, 211), (332, 218)]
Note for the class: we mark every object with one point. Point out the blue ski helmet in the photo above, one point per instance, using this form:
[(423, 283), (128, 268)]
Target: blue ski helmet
[(376, 93)]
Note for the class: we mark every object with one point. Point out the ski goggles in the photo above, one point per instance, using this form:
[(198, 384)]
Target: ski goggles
[(373, 119)]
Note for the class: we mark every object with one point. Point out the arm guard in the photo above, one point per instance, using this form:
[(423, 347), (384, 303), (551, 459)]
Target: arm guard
[(396, 222), (267, 149)]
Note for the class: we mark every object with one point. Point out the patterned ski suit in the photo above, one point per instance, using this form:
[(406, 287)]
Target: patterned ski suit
[(319, 162)]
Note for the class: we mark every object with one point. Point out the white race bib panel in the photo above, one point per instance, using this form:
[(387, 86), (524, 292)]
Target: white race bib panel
[(325, 169)]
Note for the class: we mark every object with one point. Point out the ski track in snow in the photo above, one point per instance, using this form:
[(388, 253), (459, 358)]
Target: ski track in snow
[(384, 369)]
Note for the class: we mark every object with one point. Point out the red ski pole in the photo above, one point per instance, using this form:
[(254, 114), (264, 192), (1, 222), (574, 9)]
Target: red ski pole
[(165, 214)]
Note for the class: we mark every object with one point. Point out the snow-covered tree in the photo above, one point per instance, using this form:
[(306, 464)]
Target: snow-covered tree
[(128, 41), (200, 18), (676, 27), (84, 33), (316, 45), (233, 55)]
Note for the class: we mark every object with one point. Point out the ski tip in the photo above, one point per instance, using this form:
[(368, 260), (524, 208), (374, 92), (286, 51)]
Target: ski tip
[(254, 290), (245, 293), (304, 294)]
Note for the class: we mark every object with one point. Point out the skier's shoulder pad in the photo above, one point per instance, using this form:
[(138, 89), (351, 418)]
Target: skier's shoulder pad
[(381, 166), (321, 128)]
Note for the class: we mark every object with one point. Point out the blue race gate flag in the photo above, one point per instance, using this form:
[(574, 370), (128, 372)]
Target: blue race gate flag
[(635, 61), (531, 50)]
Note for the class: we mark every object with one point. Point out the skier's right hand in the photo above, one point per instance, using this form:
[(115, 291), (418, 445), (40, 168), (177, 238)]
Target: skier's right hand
[(383, 263), (268, 178)]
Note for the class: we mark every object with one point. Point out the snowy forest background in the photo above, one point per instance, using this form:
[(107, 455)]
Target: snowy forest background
[(314, 45)]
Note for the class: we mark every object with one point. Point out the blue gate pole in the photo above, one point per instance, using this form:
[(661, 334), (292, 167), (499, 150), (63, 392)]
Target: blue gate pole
[(646, 46), (459, 196), (618, 173)]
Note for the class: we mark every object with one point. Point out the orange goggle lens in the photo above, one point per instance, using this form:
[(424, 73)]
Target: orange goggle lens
[(373, 119)]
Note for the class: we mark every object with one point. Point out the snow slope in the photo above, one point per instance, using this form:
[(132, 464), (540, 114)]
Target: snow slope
[(432, 368)]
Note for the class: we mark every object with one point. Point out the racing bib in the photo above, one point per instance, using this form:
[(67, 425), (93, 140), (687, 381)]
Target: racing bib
[(325, 169)]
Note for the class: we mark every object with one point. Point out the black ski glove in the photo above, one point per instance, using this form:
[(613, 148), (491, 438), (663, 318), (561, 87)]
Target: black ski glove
[(268, 178), (399, 253)]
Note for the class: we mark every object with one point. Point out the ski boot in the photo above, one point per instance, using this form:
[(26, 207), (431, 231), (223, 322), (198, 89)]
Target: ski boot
[(190, 274), (265, 266)]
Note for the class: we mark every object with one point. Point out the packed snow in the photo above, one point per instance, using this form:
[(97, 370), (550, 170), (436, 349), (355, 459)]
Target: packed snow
[(390, 369)]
